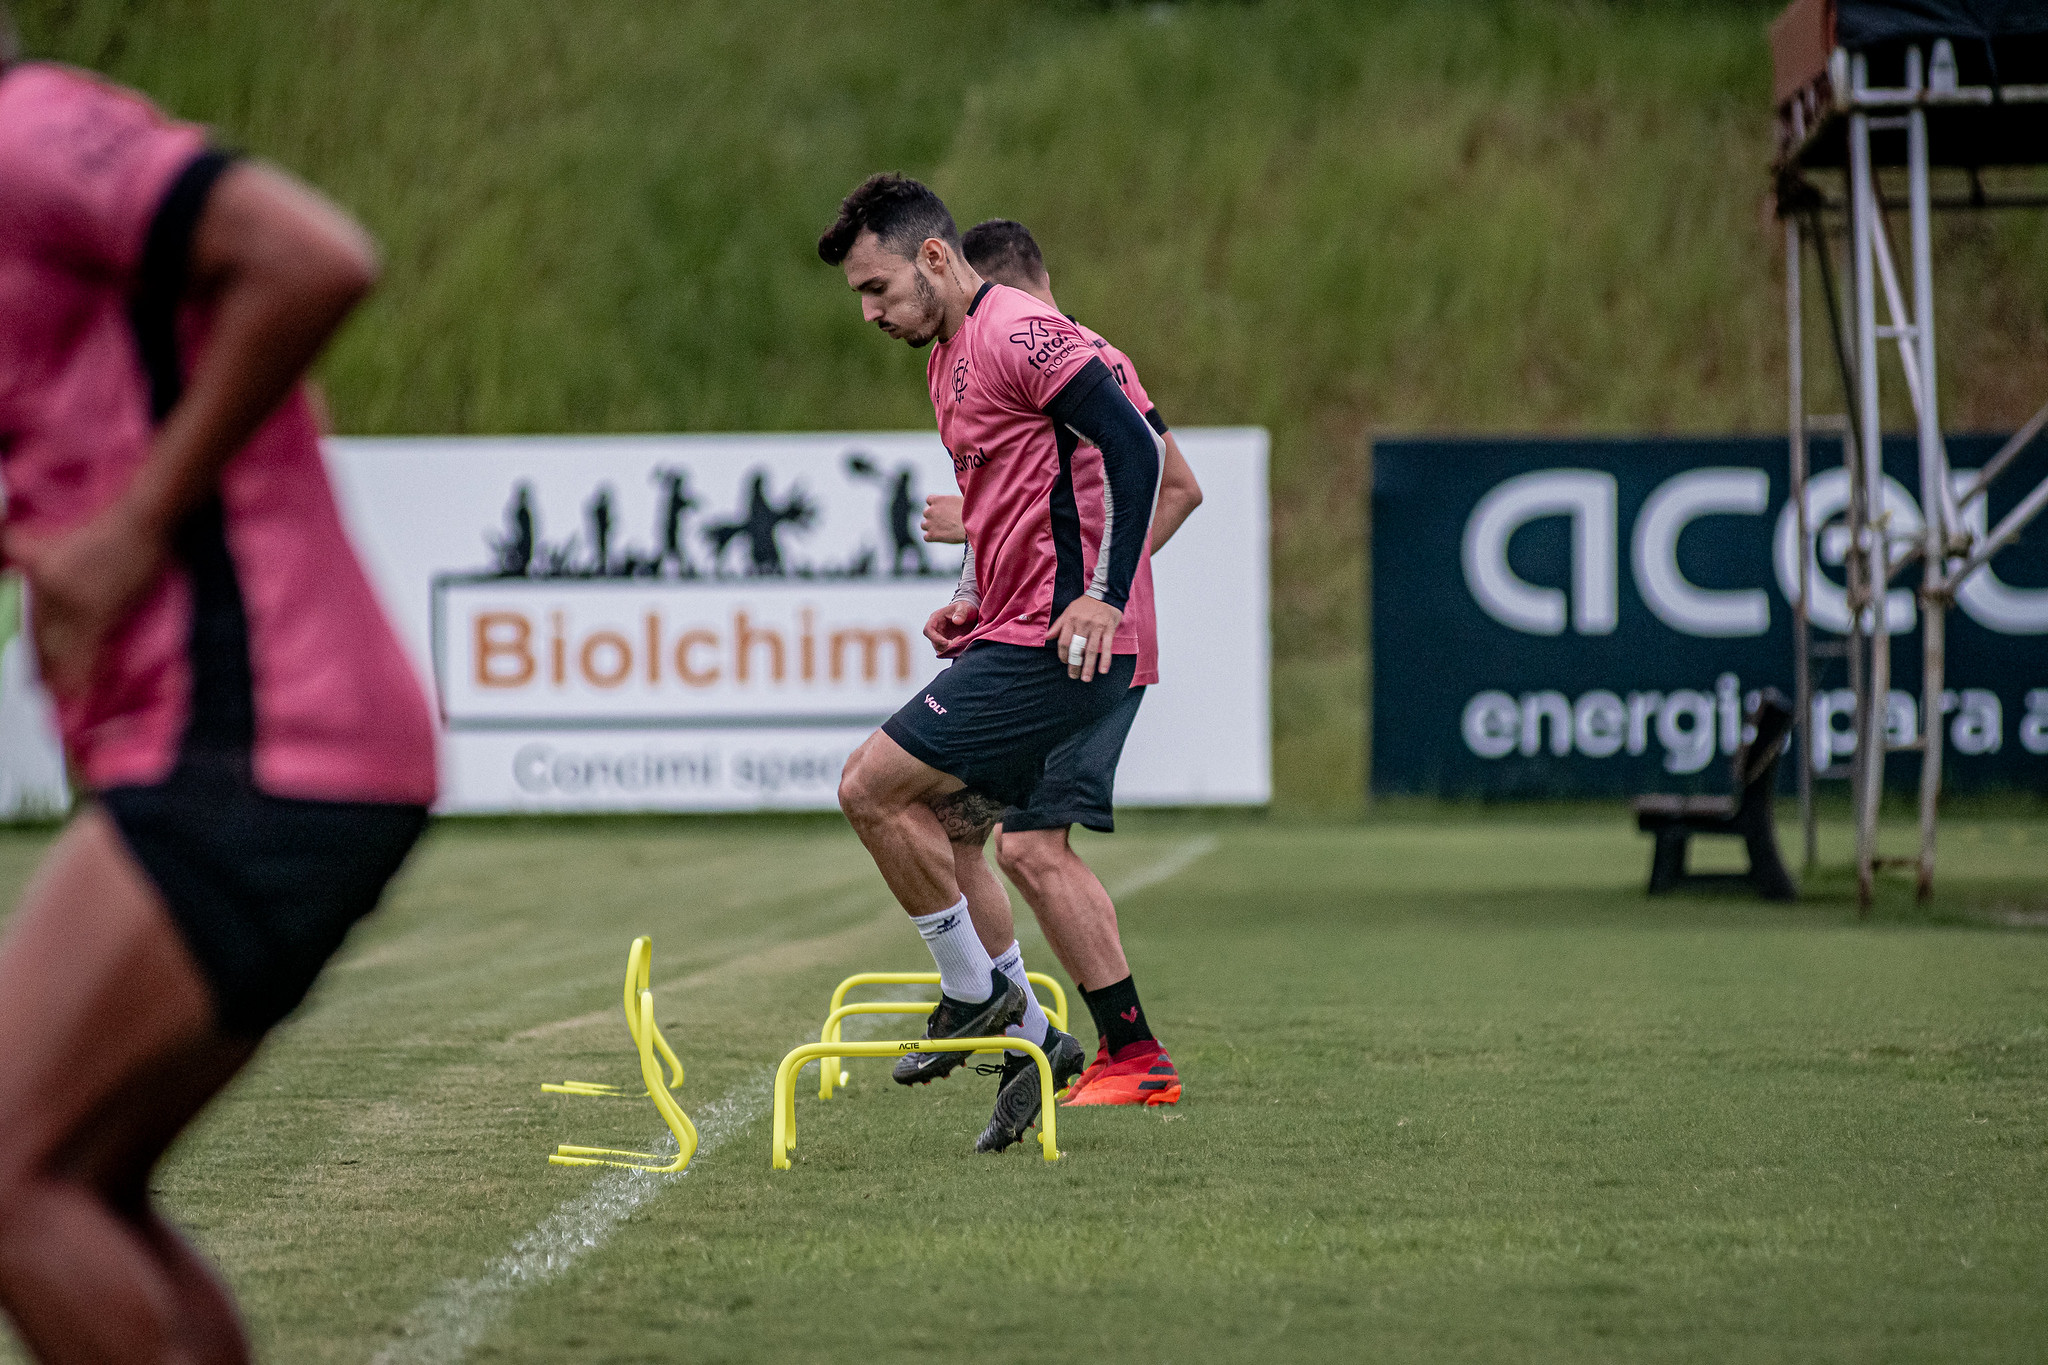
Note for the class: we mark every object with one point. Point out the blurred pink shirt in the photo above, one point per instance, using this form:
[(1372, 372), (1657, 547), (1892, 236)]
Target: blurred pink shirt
[(339, 714)]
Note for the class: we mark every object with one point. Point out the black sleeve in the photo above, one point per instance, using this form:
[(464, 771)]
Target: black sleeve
[(160, 279), (1095, 408), (1157, 421)]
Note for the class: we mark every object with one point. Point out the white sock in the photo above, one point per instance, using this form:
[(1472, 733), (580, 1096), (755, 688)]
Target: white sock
[(964, 965), (1032, 1030)]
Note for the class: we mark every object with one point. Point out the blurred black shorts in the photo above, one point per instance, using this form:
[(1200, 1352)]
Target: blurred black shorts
[(262, 888)]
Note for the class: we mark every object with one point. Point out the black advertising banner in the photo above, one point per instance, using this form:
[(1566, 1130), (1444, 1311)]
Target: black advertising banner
[(1591, 617)]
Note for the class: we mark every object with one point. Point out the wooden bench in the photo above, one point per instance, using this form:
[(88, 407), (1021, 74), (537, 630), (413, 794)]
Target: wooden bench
[(1746, 814)]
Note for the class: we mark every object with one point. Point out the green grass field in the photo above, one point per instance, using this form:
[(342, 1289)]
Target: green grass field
[(1456, 1090), (1332, 218)]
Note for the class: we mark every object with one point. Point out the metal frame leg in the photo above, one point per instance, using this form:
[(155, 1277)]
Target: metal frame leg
[(1936, 494), (1802, 635), (1872, 535)]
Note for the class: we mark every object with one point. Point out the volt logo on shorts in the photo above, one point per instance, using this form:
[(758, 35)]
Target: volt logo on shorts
[(928, 701)]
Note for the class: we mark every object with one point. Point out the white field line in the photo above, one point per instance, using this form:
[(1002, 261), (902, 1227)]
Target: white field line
[(444, 1328), (448, 1325), (1167, 868)]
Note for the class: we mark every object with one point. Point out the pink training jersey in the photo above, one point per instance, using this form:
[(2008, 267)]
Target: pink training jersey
[(1036, 527), (338, 712)]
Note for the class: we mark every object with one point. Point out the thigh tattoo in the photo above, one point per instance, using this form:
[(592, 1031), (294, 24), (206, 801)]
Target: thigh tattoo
[(967, 815)]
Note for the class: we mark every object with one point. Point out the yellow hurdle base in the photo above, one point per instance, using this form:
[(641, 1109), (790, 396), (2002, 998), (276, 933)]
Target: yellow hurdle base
[(672, 1114), (784, 1136)]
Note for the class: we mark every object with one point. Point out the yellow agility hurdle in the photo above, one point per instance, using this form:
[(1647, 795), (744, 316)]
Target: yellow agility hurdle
[(784, 1136), (647, 1035), (647, 1042), (639, 966), (828, 1067), (829, 1071)]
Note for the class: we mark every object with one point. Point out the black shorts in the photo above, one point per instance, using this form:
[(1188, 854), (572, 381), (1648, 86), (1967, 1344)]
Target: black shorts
[(1079, 785), (1000, 711), (262, 888)]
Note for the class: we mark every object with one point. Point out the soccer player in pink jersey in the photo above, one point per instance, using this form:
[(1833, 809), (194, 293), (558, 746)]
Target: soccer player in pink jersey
[(1058, 475), (1074, 909), (258, 751)]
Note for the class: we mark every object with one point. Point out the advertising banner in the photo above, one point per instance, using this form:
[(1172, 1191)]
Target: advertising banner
[(32, 779), (715, 622), (1592, 617)]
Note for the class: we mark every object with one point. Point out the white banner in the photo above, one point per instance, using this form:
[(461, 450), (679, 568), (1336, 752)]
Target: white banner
[(32, 779), (715, 622)]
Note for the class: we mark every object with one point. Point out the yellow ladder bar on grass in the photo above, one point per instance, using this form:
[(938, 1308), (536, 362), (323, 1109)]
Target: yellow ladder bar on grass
[(784, 1136), (829, 1071)]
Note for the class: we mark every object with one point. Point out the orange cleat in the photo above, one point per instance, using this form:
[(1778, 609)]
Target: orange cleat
[(1095, 1070), (1139, 1074)]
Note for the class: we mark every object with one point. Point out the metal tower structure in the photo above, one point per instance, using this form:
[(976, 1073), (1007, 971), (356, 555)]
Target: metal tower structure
[(1870, 95)]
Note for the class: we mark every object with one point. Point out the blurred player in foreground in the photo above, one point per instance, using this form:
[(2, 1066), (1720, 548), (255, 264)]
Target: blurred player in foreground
[(258, 751), (1073, 908), (1042, 648)]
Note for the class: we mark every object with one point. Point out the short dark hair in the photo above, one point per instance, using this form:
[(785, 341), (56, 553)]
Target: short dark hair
[(1004, 246), (900, 211)]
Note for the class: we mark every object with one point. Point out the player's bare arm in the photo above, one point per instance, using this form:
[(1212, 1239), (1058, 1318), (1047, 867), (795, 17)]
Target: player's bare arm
[(281, 268), (1179, 495)]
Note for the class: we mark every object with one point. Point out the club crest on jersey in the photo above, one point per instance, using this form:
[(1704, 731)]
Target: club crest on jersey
[(960, 381)]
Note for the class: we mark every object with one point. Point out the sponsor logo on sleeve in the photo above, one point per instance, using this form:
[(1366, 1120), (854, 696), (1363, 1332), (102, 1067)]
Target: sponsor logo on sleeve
[(1045, 349)]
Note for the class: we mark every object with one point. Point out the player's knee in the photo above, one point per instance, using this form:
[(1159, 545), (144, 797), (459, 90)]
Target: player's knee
[(854, 798), (1030, 856), (860, 795)]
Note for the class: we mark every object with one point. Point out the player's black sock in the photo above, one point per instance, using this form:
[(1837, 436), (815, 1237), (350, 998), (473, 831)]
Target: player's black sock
[(1119, 1018)]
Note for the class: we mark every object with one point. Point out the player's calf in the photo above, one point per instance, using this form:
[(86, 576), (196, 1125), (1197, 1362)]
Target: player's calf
[(1073, 908)]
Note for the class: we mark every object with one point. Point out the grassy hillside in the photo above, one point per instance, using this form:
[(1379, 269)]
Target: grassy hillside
[(1328, 217)]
